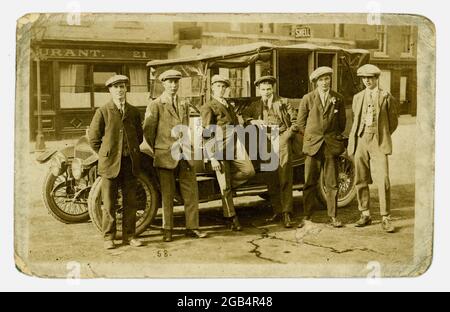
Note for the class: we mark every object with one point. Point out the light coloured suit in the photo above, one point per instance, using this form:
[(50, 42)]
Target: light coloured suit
[(371, 148), (160, 118)]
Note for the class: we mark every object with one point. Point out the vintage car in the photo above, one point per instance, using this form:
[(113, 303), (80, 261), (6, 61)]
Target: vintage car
[(243, 64)]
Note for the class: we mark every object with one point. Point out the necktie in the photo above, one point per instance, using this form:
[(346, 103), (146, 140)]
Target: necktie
[(121, 109), (174, 104), (370, 110)]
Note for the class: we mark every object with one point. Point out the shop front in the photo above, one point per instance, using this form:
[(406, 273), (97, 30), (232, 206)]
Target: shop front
[(72, 82)]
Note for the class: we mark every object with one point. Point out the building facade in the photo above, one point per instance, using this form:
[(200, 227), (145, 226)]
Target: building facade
[(75, 59)]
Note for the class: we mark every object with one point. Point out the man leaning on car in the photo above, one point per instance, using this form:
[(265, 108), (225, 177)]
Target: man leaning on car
[(162, 116), (269, 111)]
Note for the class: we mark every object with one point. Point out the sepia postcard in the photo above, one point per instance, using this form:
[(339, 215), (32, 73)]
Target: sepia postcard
[(224, 145)]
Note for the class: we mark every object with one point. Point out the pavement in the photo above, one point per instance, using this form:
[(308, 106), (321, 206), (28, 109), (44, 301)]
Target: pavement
[(49, 248)]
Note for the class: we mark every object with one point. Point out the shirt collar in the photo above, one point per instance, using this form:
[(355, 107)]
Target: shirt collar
[(221, 100), (323, 93), (373, 91), (119, 104)]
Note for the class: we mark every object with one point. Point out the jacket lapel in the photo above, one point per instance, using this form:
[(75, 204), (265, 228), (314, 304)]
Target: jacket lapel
[(328, 103), (222, 108), (317, 101), (167, 101), (380, 102), (180, 108), (360, 103), (111, 106), (127, 110)]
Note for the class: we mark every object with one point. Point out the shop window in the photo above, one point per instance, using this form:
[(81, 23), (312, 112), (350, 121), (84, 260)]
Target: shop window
[(266, 28), (101, 73), (74, 86), (339, 30), (138, 93)]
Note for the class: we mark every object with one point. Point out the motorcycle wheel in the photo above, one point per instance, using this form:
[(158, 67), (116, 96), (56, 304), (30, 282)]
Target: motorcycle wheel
[(147, 201), (346, 182), (58, 195)]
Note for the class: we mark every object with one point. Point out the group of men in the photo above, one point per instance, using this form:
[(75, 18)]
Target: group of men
[(116, 132)]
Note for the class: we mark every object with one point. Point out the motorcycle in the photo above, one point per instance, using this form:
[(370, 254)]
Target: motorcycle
[(72, 188), (65, 192)]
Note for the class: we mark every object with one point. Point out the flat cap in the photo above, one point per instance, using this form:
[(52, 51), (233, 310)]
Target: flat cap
[(368, 70), (116, 79), (270, 79), (219, 78), (320, 71), (170, 74)]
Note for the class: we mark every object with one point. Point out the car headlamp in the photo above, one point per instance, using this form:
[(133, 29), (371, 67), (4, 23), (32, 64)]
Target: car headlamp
[(77, 168)]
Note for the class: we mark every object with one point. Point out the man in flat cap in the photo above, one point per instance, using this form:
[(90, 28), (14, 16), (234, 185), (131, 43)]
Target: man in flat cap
[(269, 111), (115, 134), (321, 118), (218, 112), (162, 116), (374, 120)]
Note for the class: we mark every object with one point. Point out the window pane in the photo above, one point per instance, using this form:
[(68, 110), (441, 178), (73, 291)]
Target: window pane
[(385, 80), (74, 86), (138, 93), (101, 74), (403, 81)]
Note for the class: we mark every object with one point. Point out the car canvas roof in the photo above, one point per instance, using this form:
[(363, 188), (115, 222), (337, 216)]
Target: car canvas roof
[(240, 51)]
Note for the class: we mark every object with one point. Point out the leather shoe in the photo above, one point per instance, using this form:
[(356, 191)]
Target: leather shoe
[(167, 235), (195, 233), (336, 223), (134, 242), (273, 218), (235, 225), (109, 244), (303, 222), (287, 220), (363, 221), (387, 225)]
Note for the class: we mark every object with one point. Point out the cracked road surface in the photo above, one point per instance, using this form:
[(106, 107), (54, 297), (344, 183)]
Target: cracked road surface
[(261, 249)]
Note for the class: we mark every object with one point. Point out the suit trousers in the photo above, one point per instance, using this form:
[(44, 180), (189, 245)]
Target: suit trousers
[(326, 161), (368, 153), (280, 184), (188, 189), (128, 183), (234, 173)]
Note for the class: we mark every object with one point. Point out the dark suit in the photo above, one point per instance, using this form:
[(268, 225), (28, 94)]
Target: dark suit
[(160, 118), (371, 146), (322, 127), (235, 171), (280, 185), (116, 139)]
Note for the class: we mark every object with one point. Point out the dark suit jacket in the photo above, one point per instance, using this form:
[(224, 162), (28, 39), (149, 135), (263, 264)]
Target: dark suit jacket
[(255, 111), (160, 119), (287, 116), (387, 120), (322, 124), (107, 133)]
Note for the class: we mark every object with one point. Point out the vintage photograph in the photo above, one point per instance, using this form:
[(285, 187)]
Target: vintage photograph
[(224, 145)]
